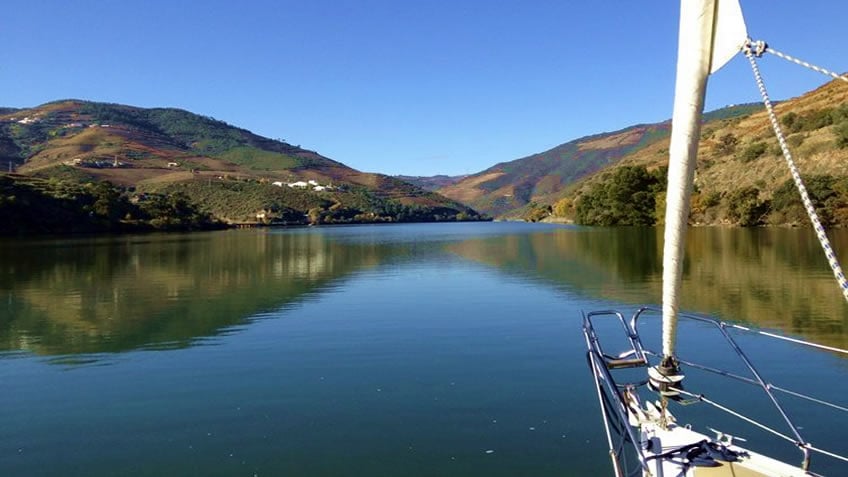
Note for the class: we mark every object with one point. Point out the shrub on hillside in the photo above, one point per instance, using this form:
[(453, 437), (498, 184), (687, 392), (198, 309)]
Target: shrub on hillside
[(825, 192), (745, 208), (753, 152), (712, 199), (841, 131), (794, 141), (814, 119), (727, 144), (790, 121), (563, 208), (536, 212)]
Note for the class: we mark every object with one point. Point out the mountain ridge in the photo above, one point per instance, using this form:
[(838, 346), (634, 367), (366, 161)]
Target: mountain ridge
[(170, 150), (432, 183), (741, 177), (507, 188)]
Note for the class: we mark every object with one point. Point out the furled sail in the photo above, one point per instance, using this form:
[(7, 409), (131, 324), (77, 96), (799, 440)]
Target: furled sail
[(711, 33)]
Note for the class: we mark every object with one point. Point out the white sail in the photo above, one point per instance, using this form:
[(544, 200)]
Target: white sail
[(730, 33), (711, 32)]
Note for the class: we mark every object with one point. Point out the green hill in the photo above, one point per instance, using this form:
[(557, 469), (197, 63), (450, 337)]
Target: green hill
[(226, 172)]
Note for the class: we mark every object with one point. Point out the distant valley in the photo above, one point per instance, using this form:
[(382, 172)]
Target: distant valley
[(741, 180), (432, 182), (505, 189)]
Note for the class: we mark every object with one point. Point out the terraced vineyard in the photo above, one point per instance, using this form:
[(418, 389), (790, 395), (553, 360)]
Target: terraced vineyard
[(229, 173)]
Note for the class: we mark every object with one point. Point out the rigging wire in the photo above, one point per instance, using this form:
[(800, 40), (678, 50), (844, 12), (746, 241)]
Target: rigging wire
[(789, 339), (752, 49), (803, 63), (802, 445)]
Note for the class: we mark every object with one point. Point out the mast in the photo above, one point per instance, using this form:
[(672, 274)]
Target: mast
[(694, 53), (711, 33)]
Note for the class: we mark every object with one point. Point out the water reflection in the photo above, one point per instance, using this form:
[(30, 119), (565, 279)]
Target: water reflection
[(775, 278), (108, 295), (169, 291), (588, 260)]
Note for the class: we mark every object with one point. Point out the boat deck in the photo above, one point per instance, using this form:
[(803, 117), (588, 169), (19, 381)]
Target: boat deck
[(750, 464)]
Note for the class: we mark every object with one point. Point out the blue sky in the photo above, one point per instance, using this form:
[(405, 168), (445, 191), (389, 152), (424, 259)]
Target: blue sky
[(394, 86)]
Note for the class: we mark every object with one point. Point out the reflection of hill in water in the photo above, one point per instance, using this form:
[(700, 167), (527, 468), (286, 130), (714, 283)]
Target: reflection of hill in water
[(116, 294), (124, 293), (775, 278)]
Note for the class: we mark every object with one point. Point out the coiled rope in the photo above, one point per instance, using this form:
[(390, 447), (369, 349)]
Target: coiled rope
[(752, 49)]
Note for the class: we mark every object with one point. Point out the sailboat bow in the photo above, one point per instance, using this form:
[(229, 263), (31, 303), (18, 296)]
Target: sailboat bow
[(644, 437)]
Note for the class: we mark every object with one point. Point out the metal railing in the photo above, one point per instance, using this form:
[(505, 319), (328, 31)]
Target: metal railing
[(794, 435), (614, 404)]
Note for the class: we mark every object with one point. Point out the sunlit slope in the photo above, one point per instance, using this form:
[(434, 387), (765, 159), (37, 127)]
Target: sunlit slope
[(504, 189), (166, 149), (740, 156)]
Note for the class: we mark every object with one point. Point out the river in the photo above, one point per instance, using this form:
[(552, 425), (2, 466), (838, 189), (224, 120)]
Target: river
[(421, 349)]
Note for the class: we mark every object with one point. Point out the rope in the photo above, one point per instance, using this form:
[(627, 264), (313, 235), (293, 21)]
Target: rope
[(796, 176), (805, 64)]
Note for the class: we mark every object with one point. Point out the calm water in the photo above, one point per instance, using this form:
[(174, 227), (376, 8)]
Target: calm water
[(449, 349)]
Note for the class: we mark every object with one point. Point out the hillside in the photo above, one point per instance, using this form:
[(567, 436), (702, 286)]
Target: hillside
[(506, 188), (432, 183), (228, 172), (741, 177)]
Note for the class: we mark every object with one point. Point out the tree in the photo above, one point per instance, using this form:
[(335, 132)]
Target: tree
[(627, 197), (173, 211), (786, 202), (745, 207), (563, 207), (108, 202), (314, 216), (536, 212)]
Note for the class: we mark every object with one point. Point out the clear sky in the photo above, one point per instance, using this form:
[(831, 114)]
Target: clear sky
[(397, 86)]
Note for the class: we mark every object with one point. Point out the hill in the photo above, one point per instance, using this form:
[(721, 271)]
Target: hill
[(227, 172), (505, 189), (742, 178), (432, 183)]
